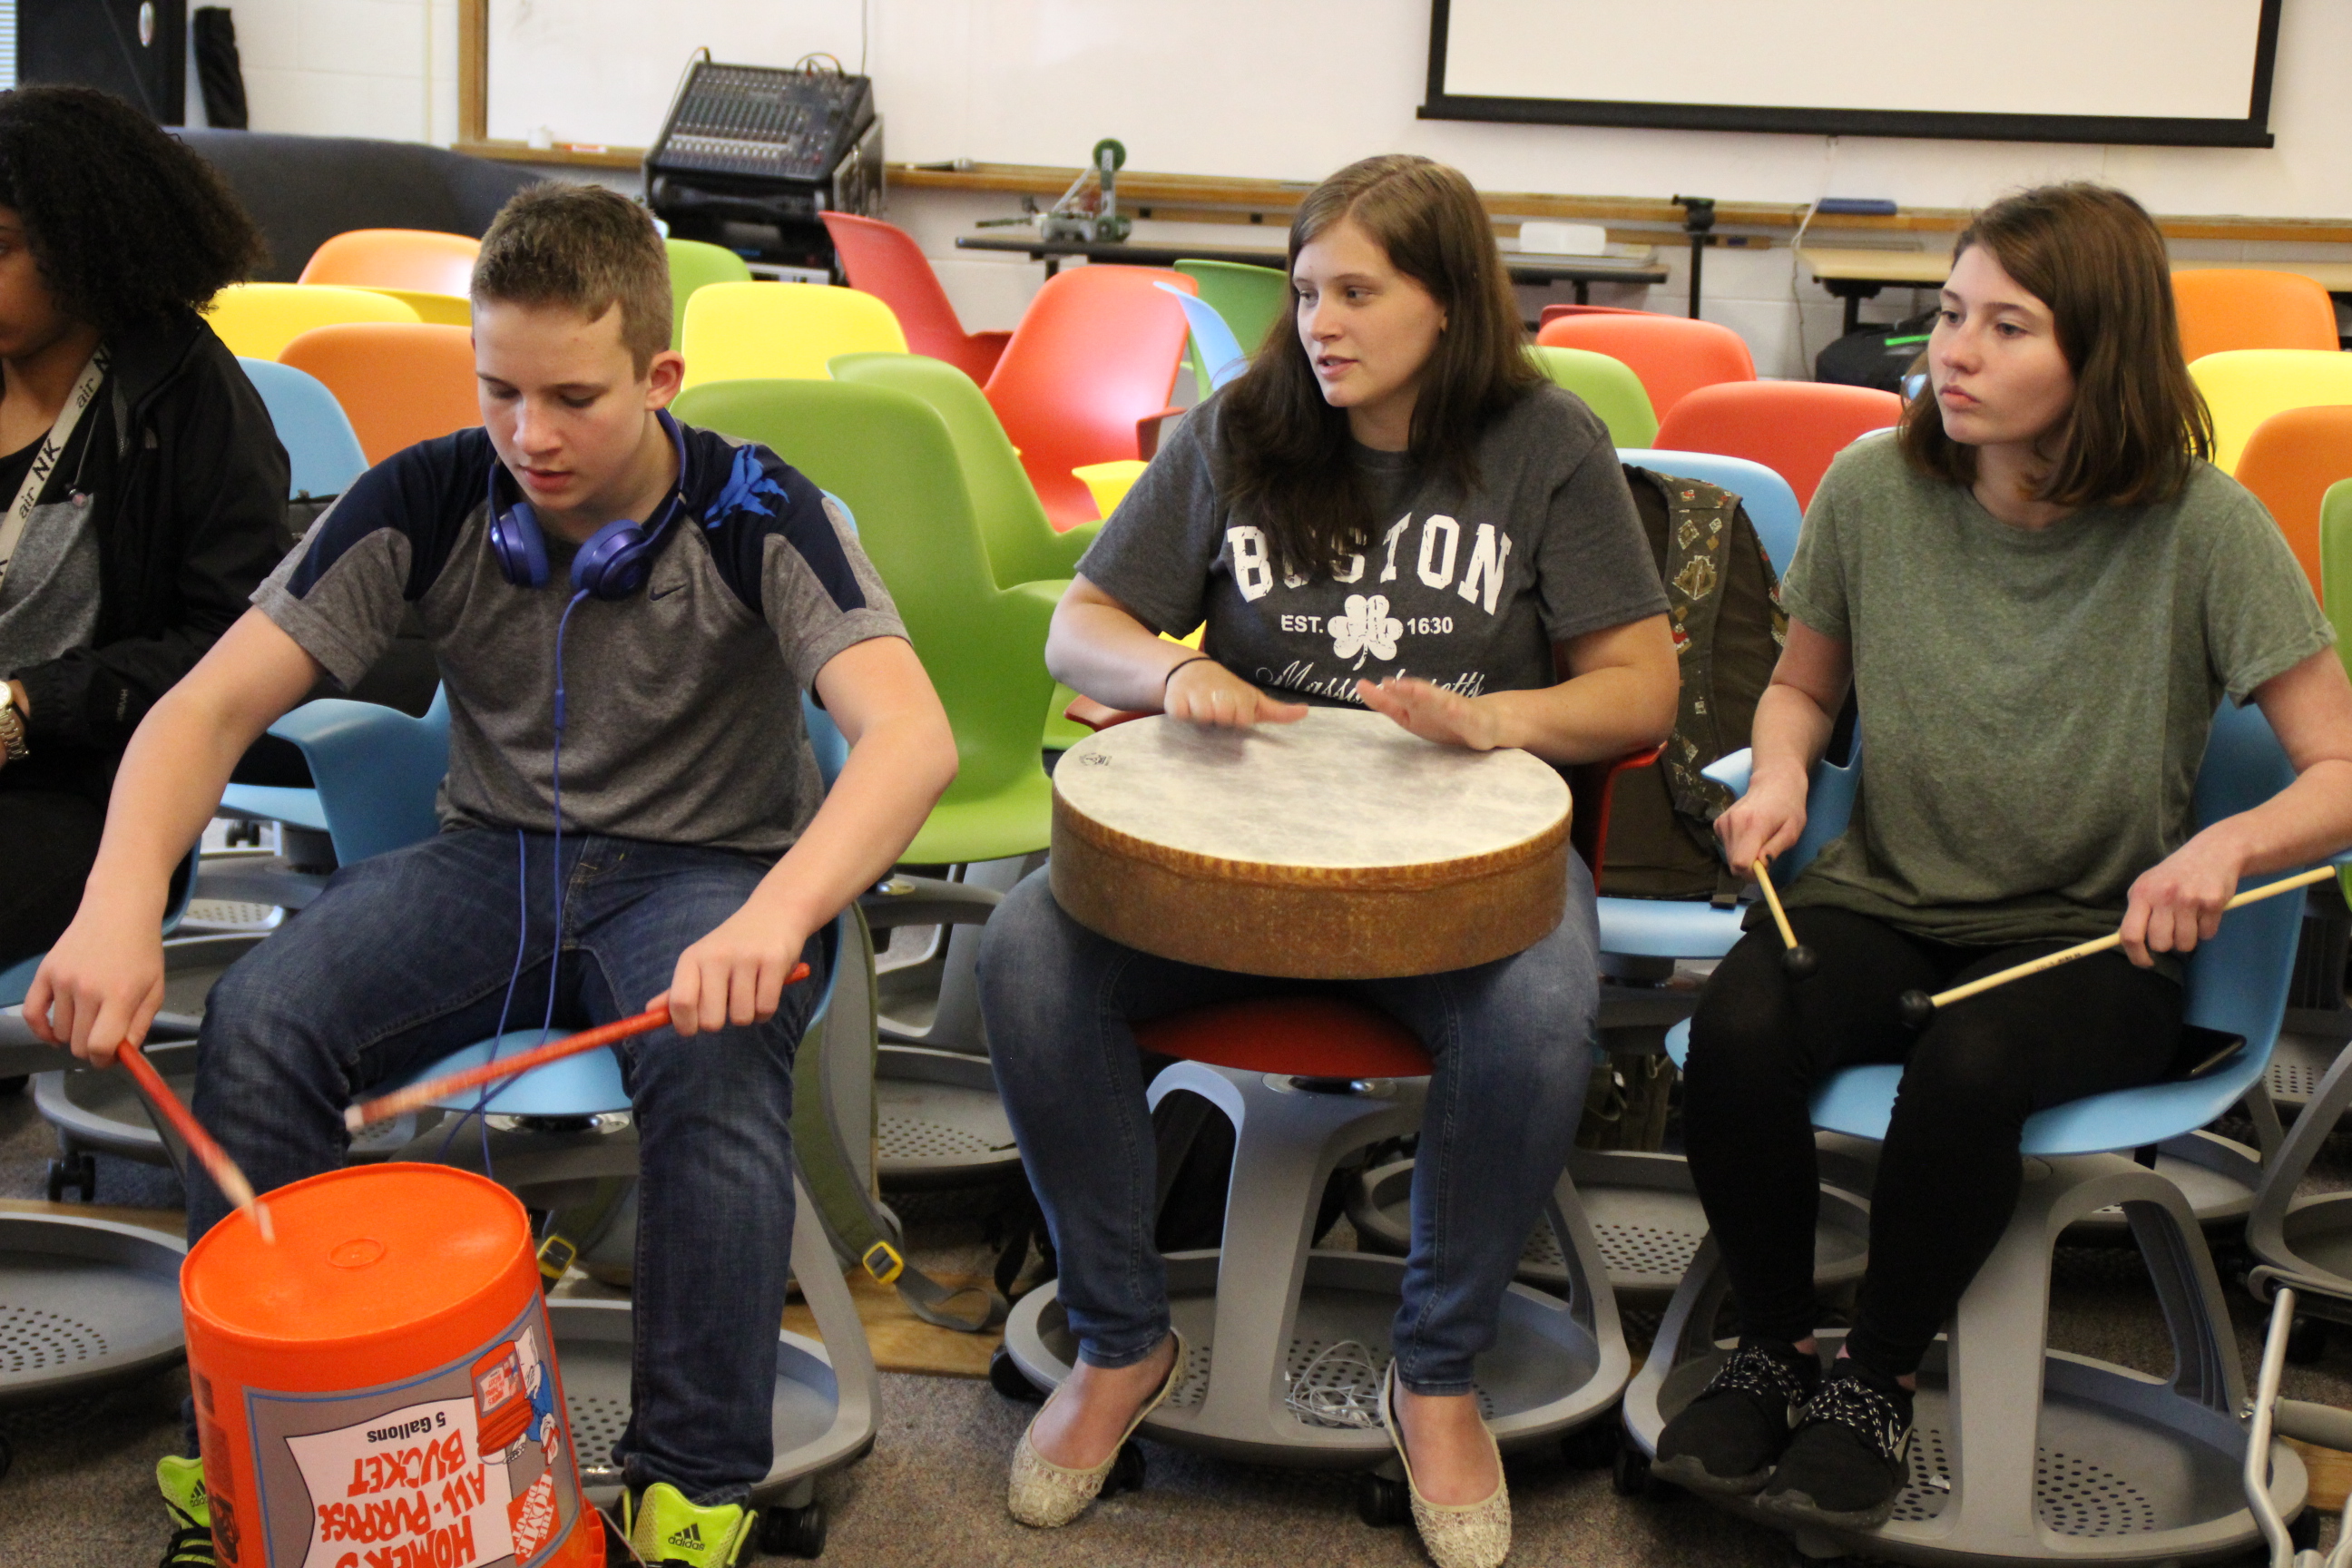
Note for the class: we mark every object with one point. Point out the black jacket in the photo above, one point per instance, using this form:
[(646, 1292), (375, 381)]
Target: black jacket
[(187, 482)]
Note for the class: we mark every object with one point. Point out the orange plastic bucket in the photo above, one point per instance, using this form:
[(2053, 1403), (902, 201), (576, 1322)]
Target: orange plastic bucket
[(379, 1389)]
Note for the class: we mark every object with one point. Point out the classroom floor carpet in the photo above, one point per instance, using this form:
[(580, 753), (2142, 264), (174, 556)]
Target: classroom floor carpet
[(932, 1492)]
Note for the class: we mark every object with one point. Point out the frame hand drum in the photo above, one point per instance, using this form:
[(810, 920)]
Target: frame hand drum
[(1339, 847)]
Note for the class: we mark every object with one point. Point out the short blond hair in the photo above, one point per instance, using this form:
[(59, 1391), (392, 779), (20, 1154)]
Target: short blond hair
[(582, 246)]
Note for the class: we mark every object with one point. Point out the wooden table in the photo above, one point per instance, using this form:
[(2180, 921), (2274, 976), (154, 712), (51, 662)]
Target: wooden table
[(1524, 266), (1854, 275)]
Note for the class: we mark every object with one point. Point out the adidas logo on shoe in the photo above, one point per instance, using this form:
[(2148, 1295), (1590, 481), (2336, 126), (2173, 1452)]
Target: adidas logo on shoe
[(689, 1538)]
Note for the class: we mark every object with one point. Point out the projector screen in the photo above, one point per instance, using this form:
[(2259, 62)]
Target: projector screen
[(2165, 72)]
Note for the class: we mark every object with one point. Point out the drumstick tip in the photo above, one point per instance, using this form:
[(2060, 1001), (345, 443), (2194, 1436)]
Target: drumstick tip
[(1918, 1009), (259, 1211)]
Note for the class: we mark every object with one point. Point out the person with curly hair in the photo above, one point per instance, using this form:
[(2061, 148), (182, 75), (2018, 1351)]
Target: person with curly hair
[(144, 486)]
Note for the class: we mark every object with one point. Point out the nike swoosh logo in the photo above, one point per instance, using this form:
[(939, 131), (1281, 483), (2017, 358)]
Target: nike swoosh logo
[(664, 593)]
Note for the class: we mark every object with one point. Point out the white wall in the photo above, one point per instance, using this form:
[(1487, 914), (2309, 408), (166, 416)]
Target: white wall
[(348, 68), (1238, 87)]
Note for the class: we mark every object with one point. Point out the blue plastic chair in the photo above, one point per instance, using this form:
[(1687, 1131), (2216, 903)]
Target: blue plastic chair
[(1772, 504), (1217, 353), (317, 433), (2178, 1445)]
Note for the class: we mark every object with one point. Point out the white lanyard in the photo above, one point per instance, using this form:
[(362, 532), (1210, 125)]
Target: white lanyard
[(45, 461)]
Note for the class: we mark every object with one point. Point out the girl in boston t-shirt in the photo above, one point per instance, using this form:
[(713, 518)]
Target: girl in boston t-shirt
[(1393, 509)]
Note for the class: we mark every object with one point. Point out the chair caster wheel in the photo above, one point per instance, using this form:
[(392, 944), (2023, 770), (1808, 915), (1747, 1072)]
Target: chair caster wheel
[(793, 1532), (2305, 1531), (14, 1084), (1006, 1377), (1126, 1471), (1629, 1472), (79, 1172), (2306, 1340), (1382, 1500), (1593, 1446)]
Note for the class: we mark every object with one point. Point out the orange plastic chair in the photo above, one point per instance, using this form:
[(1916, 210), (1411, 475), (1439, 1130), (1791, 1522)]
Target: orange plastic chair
[(2290, 461), (1096, 352), (1673, 354), (2224, 308), (423, 259), (883, 259), (400, 383), (1793, 428), (1554, 312)]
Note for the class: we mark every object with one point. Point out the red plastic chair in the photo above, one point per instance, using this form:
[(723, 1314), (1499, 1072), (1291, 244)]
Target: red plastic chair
[(2290, 461), (401, 383), (883, 260), (1554, 312), (1096, 354), (1793, 428), (1674, 356)]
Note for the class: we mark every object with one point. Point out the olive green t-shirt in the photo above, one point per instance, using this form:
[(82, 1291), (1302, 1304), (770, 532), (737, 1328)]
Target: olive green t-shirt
[(2034, 702)]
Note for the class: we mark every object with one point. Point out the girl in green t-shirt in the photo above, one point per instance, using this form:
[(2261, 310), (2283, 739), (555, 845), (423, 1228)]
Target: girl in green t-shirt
[(2036, 591)]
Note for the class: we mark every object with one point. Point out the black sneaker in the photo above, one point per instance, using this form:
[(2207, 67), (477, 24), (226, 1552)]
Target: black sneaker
[(1850, 1455), (1727, 1440)]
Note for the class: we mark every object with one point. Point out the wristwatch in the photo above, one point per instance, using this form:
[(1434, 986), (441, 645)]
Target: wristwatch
[(12, 725)]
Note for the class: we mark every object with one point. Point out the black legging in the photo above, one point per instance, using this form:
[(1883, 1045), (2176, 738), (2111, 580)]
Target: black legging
[(1949, 1173), (49, 839)]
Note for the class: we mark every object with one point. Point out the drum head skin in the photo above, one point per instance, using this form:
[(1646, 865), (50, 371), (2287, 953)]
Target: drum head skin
[(1339, 847)]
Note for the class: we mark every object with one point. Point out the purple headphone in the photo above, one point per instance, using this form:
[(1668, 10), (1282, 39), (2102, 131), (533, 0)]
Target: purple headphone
[(617, 558)]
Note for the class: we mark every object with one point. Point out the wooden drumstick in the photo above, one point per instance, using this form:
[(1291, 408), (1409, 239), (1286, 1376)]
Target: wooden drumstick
[(1918, 1007), (1797, 960), (418, 1096), (209, 1152)]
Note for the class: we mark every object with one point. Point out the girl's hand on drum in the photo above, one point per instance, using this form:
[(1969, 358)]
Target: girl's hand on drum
[(1203, 692), (2177, 902), (1432, 712), (1763, 823)]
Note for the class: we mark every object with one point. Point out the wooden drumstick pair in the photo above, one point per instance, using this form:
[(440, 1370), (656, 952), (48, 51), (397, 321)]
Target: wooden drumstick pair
[(1918, 1007)]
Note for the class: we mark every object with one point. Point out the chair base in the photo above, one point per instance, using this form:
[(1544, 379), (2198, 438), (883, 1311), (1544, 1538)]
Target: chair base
[(84, 1304), (2217, 1174), (939, 1120), (2025, 1455), (1260, 1308), (1645, 1217)]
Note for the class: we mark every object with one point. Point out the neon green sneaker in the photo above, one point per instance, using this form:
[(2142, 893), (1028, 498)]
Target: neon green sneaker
[(181, 1482), (668, 1531)]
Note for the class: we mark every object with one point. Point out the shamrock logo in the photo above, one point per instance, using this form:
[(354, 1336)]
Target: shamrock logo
[(1367, 626)]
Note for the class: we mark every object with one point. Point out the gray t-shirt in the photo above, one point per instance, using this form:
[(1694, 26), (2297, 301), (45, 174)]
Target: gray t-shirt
[(2034, 702), (682, 701), (1469, 591)]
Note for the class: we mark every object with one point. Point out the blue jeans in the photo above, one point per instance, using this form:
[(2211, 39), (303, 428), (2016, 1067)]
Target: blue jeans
[(404, 958), (1512, 1041)]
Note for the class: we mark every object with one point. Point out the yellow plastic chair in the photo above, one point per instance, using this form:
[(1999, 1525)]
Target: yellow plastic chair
[(1607, 386), (433, 310), (780, 331), (257, 320), (695, 265), (2245, 387), (1109, 482)]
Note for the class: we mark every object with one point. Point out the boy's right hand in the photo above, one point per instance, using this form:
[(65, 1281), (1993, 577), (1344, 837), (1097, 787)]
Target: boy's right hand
[(1763, 823), (101, 984)]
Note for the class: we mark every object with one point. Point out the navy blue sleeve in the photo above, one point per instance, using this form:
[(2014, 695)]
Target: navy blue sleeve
[(763, 498)]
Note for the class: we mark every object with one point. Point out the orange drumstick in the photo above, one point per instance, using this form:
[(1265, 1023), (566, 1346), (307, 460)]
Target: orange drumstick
[(209, 1153), (417, 1096)]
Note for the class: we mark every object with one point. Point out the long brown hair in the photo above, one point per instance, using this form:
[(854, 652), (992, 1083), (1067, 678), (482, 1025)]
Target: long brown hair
[(1290, 449), (2138, 424)]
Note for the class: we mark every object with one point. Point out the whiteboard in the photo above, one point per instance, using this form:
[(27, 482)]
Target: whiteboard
[(2119, 71)]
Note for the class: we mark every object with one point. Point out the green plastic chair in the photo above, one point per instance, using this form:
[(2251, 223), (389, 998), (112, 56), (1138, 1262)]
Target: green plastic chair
[(1024, 553), (2335, 584), (1609, 387), (1250, 299), (890, 457), (693, 264)]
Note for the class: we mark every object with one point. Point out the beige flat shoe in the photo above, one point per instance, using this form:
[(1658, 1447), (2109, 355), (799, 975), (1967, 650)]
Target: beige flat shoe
[(1456, 1535), (1048, 1495)]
